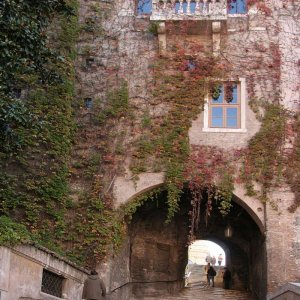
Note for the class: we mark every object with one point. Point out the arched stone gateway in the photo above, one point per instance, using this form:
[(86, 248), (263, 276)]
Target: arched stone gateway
[(154, 257), (125, 190)]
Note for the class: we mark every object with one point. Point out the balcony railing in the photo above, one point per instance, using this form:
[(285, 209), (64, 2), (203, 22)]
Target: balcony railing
[(163, 10)]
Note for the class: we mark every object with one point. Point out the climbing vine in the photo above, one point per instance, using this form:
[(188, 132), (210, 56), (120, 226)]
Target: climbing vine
[(129, 209), (94, 225), (263, 162), (292, 163), (209, 170), (36, 119), (183, 79), (66, 204)]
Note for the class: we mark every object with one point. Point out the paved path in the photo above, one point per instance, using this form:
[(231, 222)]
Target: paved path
[(203, 292), (198, 289)]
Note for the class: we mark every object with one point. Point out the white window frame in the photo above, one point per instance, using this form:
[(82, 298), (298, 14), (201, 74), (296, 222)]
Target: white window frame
[(242, 82)]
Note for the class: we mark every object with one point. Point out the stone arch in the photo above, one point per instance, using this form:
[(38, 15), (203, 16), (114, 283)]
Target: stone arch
[(125, 189), (150, 242), (253, 206), (236, 261)]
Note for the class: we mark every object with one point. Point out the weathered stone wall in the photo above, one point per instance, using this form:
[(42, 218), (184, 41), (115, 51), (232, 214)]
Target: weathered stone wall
[(282, 233), (158, 250), (22, 269), (122, 48), (153, 257), (116, 273), (258, 267), (290, 53), (114, 46)]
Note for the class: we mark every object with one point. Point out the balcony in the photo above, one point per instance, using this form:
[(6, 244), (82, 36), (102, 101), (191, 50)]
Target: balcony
[(167, 10)]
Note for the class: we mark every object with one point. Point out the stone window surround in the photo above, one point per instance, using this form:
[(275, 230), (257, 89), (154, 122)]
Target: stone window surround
[(206, 128)]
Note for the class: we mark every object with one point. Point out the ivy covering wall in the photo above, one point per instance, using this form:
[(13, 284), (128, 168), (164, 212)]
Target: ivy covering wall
[(36, 118), (38, 130), (48, 140)]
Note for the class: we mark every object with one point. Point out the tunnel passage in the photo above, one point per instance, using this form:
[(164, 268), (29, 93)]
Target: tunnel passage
[(245, 249), (159, 251)]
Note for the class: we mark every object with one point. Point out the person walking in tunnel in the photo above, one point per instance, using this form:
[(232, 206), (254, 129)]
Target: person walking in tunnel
[(208, 258), (226, 278), (206, 268), (211, 273), (213, 261), (93, 288), (220, 258)]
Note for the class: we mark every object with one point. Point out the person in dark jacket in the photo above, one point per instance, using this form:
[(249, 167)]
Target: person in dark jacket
[(226, 278), (211, 273), (93, 288), (206, 268)]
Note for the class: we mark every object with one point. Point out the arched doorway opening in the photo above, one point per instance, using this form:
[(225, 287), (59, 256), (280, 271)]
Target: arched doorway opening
[(200, 253), (158, 252)]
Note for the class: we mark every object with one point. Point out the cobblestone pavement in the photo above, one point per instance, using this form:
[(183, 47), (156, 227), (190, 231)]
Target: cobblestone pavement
[(204, 292)]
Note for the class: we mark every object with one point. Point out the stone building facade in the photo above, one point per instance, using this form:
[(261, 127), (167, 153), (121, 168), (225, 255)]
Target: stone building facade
[(262, 45)]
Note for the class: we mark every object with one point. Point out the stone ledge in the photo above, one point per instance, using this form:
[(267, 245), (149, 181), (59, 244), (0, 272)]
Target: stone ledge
[(37, 253), (293, 287)]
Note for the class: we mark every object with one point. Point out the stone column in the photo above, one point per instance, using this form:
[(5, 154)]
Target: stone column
[(216, 37), (162, 38)]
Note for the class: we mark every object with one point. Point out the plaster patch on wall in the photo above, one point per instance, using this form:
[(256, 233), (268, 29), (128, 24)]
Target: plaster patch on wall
[(296, 249)]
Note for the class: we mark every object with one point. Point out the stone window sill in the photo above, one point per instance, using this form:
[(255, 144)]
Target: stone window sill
[(228, 130), (45, 296)]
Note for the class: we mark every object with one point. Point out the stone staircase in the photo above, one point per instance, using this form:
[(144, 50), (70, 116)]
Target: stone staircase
[(202, 292), (197, 274), (197, 288)]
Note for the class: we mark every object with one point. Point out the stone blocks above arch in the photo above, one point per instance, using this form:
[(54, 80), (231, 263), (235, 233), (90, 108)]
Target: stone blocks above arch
[(126, 188)]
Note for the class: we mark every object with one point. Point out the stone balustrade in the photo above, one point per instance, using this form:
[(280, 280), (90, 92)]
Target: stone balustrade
[(163, 10)]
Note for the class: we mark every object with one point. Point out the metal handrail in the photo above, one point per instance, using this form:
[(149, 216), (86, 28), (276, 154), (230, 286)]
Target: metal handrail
[(141, 282)]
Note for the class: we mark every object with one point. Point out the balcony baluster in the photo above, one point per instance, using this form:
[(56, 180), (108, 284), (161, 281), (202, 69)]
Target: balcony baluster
[(165, 5), (184, 10), (197, 8), (180, 10), (188, 7)]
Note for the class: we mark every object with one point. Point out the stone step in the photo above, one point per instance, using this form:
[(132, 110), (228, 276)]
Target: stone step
[(203, 292)]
